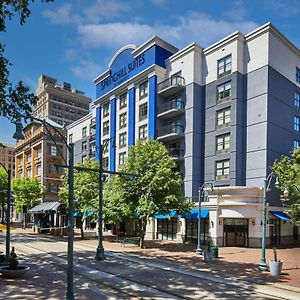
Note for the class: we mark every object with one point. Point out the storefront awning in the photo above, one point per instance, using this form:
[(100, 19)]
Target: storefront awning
[(45, 207), (194, 214), (171, 214), (280, 215)]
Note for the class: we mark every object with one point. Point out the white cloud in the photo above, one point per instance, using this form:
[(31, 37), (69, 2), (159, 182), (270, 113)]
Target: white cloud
[(237, 11), (197, 27), (103, 9), (86, 69), (284, 8), (62, 15)]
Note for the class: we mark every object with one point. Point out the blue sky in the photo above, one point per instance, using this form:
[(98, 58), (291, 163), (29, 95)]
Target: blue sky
[(74, 40)]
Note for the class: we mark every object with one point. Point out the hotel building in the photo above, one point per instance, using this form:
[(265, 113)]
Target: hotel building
[(224, 112)]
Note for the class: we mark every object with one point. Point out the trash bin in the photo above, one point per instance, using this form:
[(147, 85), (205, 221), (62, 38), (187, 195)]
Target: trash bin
[(215, 251), (208, 257)]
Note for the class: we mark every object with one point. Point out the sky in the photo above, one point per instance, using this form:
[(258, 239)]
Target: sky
[(74, 40)]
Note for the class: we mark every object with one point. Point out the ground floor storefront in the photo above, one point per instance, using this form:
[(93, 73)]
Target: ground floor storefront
[(232, 217)]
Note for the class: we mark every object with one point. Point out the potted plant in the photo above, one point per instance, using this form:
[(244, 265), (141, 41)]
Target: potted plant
[(275, 265), (12, 269)]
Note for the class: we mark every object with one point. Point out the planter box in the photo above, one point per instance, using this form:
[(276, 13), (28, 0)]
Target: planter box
[(275, 267)]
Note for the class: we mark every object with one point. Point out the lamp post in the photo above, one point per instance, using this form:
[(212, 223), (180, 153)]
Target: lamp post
[(263, 266), (200, 191), (8, 210), (19, 135)]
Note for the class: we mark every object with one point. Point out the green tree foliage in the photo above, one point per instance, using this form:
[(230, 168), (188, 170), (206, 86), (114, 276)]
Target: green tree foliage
[(27, 191), (288, 170), (86, 190), (3, 188), (155, 190), (14, 99)]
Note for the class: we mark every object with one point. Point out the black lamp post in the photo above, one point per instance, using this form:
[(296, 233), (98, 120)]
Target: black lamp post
[(20, 136), (8, 210), (200, 191)]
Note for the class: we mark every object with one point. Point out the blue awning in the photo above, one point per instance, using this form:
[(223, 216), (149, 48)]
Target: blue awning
[(194, 214), (280, 215), (171, 214)]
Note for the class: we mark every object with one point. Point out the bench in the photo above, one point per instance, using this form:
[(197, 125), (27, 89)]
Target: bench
[(90, 234), (131, 240)]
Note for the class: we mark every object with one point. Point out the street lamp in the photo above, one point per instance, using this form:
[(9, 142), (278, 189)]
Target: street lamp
[(20, 136), (100, 249), (8, 210), (263, 266), (200, 191)]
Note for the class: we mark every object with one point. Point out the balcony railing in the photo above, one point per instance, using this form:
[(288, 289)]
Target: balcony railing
[(171, 105), (171, 85), (170, 129), (176, 153)]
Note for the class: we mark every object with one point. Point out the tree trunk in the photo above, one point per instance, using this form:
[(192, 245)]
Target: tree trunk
[(142, 231), (81, 228)]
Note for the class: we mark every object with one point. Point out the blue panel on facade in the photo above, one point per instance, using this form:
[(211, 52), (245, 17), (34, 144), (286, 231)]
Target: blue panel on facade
[(125, 66), (152, 114), (112, 131), (98, 131), (131, 116)]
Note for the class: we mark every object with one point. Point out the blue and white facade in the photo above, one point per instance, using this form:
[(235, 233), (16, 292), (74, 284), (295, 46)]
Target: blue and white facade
[(224, 112)]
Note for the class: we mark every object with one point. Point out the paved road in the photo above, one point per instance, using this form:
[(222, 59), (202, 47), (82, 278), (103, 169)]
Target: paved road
[(120, 276)]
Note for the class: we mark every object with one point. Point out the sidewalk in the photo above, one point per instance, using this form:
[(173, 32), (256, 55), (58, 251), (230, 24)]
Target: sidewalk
[(240, 263)]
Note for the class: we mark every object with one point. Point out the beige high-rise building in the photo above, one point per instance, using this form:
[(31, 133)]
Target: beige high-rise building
[(7, 157), (60, 103), (37, 156)]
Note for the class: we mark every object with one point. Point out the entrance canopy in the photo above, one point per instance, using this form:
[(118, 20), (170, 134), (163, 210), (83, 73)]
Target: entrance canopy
[(45, 207), (171, 214), (193, 214), (280, 215)]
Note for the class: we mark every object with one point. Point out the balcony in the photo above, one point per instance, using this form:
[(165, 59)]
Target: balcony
[(170, 109), (176, 153), (170, 132), (171, 86)]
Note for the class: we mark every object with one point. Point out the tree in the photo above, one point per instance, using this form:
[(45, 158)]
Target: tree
[(155, 190), (26, 192), (14, 99), (3, 188), (288, 170), (86, 190)]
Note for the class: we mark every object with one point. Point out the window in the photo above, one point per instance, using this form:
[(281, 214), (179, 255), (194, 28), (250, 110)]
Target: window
[(143, 132), (53, 169), (83, 157), (105, 127), (223, 142), (122, 139), (224, 91), (222, 169), (297, 99), (143, 111), (53, 187), (143, 88), (122, 158), (70, 138), (296, 143), (223, 117), (105, 162), (29, 157), (53, 150), (123, 120), (123, 100), (84, 146), (296, 123), (106, 110), (84, 132), (38, 170), (105, 145), (298, 75), (224, 66), (28, 173)]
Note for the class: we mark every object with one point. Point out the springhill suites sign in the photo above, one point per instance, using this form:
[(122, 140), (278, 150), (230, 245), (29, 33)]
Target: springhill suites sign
[(121, 75)]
